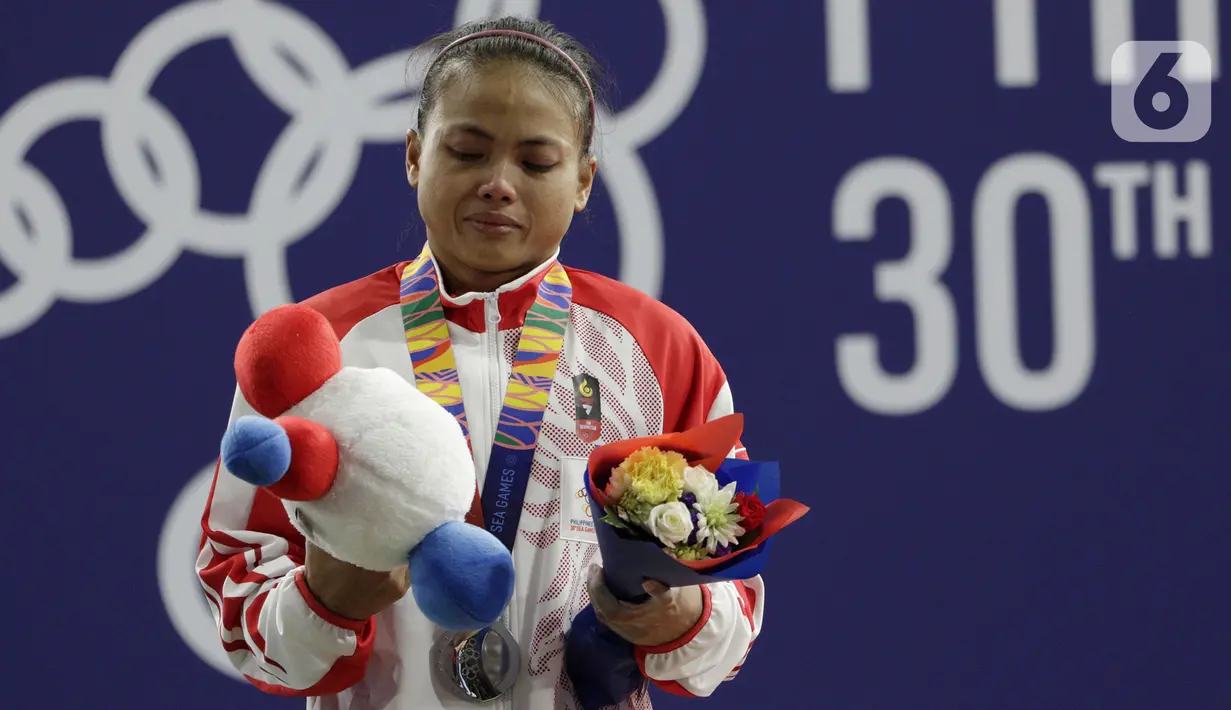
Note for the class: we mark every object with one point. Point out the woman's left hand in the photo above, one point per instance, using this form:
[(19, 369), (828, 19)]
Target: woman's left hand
[(666, 616)]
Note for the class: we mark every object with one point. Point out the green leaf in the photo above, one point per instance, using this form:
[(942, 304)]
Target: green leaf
[(613, 519)]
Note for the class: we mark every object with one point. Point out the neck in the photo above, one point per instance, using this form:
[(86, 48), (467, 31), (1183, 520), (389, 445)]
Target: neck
[(457, 281)]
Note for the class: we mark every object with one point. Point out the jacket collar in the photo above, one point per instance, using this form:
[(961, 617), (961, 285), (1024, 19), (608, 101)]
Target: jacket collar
[(514, 300)]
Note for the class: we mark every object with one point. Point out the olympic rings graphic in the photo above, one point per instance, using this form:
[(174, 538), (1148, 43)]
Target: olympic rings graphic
[(334, 111)]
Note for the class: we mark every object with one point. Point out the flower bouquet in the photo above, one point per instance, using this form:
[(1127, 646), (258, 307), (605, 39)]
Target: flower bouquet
[(678, 511)]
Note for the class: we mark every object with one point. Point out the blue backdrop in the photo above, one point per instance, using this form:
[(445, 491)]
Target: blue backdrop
[(984, 335)]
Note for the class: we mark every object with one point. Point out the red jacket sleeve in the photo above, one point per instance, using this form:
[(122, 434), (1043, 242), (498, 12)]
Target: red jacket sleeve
[(274, 631)]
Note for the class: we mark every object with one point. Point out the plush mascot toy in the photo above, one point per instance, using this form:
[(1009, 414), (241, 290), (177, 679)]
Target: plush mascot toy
[(369, 469)]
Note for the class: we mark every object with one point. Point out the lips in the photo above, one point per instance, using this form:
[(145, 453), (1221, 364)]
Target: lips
[(493, 219)]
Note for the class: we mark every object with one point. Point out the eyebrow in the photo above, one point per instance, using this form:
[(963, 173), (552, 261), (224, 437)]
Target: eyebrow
[(475, 130)]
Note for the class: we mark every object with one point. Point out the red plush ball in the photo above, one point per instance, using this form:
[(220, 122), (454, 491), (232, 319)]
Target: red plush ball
[(284, 356), (314, 461)]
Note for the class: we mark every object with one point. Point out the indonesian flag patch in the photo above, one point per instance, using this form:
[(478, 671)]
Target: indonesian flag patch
[(589, 410)]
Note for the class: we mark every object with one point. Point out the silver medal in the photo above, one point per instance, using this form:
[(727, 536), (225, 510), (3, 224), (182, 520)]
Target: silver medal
[(479, 666)]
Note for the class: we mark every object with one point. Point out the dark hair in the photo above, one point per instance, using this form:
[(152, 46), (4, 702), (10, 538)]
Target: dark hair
[(483, 50)]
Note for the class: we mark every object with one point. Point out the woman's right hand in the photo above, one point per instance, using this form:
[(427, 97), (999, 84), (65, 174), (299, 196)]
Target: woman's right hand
[(349, 591)]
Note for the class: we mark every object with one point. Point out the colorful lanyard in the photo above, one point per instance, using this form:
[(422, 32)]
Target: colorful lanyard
[(534, 370)]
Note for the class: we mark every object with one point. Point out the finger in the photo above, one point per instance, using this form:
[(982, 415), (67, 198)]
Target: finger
[(656, 589), (594, 581), (601, 615), (604, 610), (600, 597)]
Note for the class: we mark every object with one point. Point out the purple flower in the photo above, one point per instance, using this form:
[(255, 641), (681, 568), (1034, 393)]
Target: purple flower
[(688, 499), (723, 550)]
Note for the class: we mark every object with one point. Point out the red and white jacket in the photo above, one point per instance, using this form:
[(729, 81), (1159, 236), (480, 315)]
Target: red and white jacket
[(655, 375)]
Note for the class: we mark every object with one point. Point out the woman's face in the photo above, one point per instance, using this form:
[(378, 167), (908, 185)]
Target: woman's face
[(499, 174)]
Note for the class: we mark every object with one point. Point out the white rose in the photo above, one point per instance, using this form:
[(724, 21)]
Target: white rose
[(700, 482), (671, 523)]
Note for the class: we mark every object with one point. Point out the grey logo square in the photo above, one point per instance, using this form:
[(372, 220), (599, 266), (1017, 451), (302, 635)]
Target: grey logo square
[(1160, 91)]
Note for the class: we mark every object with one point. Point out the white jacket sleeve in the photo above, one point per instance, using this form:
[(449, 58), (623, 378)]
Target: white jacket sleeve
[(274, 631), (715, 649)]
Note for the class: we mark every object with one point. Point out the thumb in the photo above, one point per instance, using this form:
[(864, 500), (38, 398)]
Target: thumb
[(656, 589)]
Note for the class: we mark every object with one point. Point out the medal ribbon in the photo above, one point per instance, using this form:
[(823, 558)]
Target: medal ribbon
[(534, 370)]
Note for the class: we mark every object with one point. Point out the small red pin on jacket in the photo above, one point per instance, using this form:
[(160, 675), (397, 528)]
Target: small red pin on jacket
[(589, 415)]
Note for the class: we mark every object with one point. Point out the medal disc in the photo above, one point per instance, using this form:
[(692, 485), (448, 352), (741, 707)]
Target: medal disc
[(478, 665)]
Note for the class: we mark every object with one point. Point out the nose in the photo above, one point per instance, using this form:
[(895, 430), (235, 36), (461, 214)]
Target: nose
[(497, 188)]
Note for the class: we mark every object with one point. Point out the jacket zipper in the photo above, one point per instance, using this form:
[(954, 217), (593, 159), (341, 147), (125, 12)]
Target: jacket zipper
[(495, 357)]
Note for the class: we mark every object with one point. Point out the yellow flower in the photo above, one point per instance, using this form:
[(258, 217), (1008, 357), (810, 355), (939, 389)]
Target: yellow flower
[(653, 476)]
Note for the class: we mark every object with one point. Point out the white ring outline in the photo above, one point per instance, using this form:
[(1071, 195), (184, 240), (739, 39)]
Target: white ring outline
[(370, 86)]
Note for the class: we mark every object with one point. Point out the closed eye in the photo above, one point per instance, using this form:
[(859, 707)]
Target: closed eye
[(468, 157), (474, 157)]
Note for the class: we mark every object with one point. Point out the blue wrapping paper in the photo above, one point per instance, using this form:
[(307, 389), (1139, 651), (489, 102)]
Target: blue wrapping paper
[(601, 665), (628, 562)]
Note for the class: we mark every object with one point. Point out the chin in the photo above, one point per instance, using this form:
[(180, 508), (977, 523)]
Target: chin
[(489, 263), (494, 257), (497, 252)]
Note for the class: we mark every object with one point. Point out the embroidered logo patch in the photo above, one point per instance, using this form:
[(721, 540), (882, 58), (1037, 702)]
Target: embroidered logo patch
[(589, 409)]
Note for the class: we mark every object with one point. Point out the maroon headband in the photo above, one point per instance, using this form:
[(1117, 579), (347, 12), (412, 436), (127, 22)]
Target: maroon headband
[(532, 38)]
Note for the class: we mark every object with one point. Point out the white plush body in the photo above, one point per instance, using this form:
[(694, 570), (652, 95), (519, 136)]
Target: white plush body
[(404, 469)]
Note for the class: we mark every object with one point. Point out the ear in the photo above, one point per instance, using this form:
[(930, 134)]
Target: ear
[(414, 151), (585, 182)]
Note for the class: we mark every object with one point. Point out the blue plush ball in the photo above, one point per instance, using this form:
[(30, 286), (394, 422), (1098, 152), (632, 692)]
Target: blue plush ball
[(461, 577), (256, 450)]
